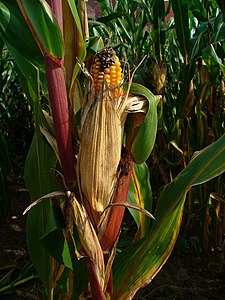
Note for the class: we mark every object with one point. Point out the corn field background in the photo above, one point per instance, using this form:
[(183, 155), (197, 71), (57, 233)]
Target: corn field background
[(177, 49)]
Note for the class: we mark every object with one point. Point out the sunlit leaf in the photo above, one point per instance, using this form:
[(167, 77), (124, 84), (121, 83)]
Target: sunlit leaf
[(140, 194), (12, 28), (145, 138), (43, 26), (145, 257), (212, 162), (140, 262), (75, 52)]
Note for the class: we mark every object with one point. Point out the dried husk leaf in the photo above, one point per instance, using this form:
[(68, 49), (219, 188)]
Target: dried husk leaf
[(159, 76), (189, 101), (100, 151), (88, 237), (109, 257)]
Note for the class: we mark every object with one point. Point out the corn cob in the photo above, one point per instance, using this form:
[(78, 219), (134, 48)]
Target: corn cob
[(107, 66)]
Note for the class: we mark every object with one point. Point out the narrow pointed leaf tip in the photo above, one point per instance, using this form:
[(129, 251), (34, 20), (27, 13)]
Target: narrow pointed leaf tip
[(47, 196), (132, 206)]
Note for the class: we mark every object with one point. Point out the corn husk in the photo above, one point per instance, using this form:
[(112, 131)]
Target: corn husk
[(102, 126), (100, 151)]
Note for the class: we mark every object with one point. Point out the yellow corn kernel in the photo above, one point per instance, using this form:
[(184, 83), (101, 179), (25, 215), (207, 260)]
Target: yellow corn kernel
[(107, 78), (117, 63), (106, 66), (107, 70), (112, 69)]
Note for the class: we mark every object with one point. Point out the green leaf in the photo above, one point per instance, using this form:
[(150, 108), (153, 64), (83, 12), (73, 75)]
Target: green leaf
[(1, 45), (140, 262), (212, 162), (17, 35), (140, 193), (44, 26), (209, 53), (180, 9), (28, 69), (41, 162), (74, 50), (110, 17), (222, 7), (196, 41), (159, 9), (124, 31), (219, 30), (40, 179), (198, 10), (25, 52), (59, 251), (158, 19), (145, 138)]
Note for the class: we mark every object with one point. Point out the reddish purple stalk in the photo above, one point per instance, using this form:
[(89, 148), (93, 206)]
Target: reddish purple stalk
[(60, 114), (59, 106), (109, 237), (97, 292), (115, 217)]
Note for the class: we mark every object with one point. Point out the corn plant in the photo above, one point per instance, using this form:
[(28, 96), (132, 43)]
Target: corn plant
[(86, 163)]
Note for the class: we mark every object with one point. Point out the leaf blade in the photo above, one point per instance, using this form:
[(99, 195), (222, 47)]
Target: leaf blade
[(140, 194), (180, 9), (145, 139), (165, 228), (43, 26)]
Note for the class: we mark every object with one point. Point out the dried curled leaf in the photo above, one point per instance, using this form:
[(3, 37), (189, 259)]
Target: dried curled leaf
[(88, 237)]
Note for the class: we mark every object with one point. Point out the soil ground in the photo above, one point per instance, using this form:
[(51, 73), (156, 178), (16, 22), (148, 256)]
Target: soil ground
[(182, 277)]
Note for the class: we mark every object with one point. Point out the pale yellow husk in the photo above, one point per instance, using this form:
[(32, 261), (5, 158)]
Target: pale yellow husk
[(102, 124), (100, 151)]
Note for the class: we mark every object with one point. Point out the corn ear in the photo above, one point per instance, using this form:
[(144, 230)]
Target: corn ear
[(102, 125), (100, 150)]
